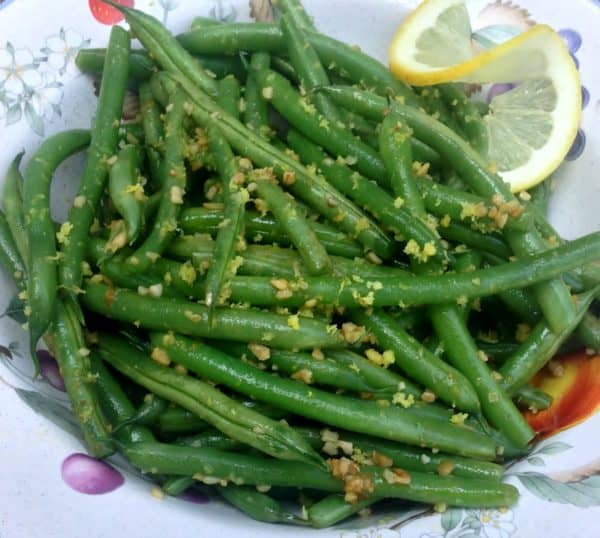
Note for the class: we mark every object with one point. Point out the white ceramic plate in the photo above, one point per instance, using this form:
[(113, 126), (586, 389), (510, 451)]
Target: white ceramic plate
[(41, 92)]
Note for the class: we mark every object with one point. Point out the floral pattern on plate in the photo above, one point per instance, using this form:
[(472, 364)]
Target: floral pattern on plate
[(31, 84), (32, 91)]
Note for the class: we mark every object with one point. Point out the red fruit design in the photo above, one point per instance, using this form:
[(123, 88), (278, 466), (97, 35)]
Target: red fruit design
[(107, 14), (576, 393)]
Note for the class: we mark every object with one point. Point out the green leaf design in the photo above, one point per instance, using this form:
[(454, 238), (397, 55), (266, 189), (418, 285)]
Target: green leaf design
[(34, 120), (584, 494), (451, 518), (6, 351), (13, 114), (554, 448), (537, 461), (16, 309), (52, 410), (472, 522)]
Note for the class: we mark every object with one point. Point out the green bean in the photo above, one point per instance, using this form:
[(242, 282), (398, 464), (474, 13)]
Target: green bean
[(116, 406), (360, 126), (374, 375), (228, 97), (257, 260), (163, 47), (221, 66), (142, 67), (70, 352), (256, 112), (487, 242), (210, 439), (294, 224), (204, 22), (225, 246), (532, 398), (304, 117), (468, 208), (464, 355), (265, 229), (153, 132), (275, 261), (234, 38), (178, 421), (522, 303), (365, 193), (176, 485), (42, 289), (74, 364), (229, 466), (190, 318), (467, 115), (451, 147), (307, 64), (334, 508), (420, 364), (210, 463), (126, 190), (540, 346), (360, 67), (297, 14), (231, 226), (12, 202), (519, 301), (419, 290), (258, 505), (404, 456), (392, 423), (394, 146), (346, 373), (334, 54), (285, 68), (208, 403), (147, 414), (553, 296), (173, 190), (92, 62), (115, 269), (10, 258), (131, 132), (313, 190), (103, 145), (588, 331), (497, 351), (439, 109), (476, 492)]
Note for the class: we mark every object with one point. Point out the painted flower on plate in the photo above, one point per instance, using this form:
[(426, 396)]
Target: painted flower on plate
[(46, 98), (169, 5), (497, 523), (457, 523), (61, 50), (18, 70)]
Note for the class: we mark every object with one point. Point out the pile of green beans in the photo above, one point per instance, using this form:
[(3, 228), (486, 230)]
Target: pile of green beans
[(269, 282)]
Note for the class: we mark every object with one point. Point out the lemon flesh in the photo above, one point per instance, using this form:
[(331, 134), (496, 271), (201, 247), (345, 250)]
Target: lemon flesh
[(529, 129)]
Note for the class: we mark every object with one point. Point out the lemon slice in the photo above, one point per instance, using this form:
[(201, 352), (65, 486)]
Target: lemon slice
[(531, 128)]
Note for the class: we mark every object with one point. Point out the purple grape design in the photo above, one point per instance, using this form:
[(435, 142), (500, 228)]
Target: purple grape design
[(49, 370), (573, 40), (90, 476)]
